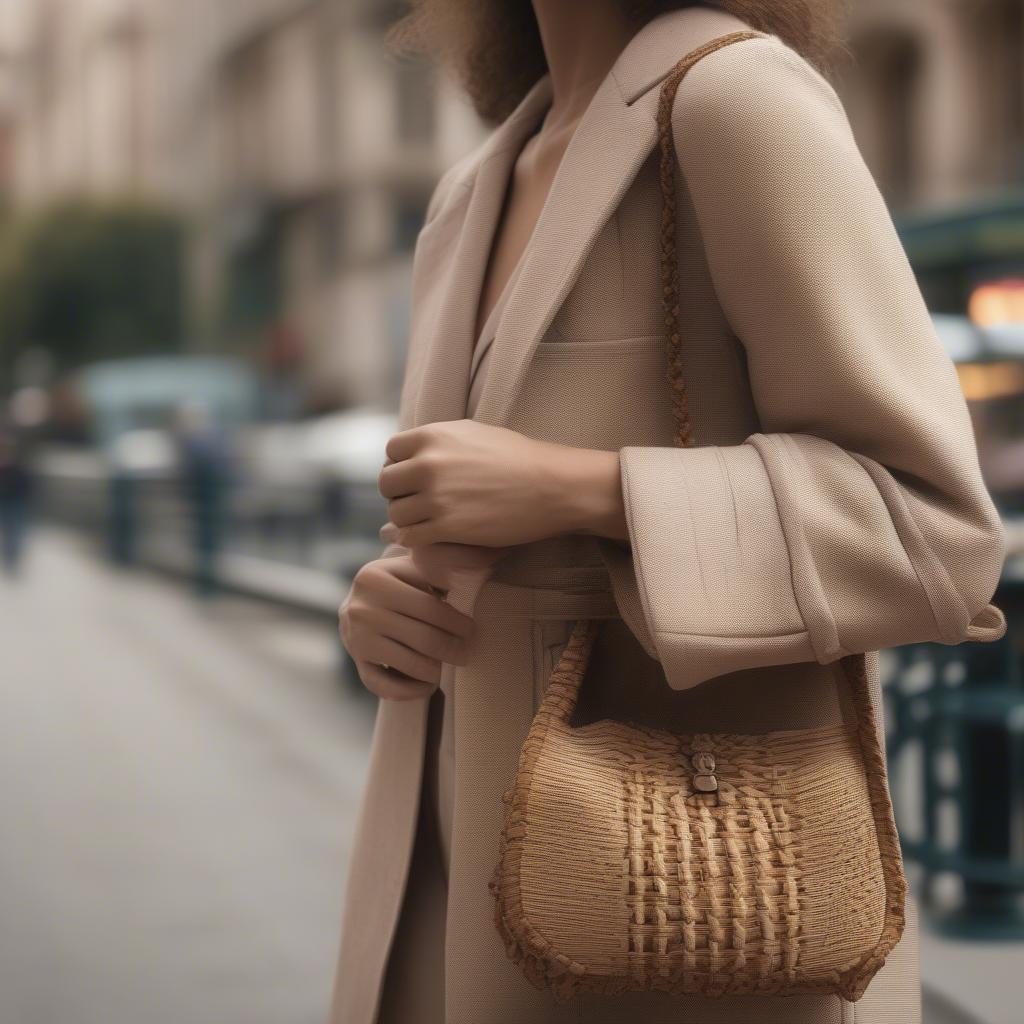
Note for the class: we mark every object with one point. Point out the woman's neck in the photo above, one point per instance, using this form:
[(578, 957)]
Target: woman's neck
[(581, 40)]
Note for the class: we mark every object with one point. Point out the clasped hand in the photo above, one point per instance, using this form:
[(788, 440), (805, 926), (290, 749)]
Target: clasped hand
[(466, 482), (459, 492)]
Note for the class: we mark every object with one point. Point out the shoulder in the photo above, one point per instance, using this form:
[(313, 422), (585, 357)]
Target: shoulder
[(448, 185), (455, 180), (758, 112), (757, 94)]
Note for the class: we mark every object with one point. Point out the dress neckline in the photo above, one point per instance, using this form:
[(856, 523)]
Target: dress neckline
[(490, 324)]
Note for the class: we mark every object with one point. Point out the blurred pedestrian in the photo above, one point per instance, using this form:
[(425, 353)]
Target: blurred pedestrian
[(15, 500), (203, 465)]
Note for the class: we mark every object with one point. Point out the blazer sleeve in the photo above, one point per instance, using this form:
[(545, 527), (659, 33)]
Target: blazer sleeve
[(856, 517)]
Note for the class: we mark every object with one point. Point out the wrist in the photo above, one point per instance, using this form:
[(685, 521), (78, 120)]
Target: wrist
[(586, 489)]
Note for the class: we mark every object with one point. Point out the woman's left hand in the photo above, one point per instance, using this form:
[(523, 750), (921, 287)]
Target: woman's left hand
[(466, 482)]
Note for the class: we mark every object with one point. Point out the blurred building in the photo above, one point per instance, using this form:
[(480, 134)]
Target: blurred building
[(8, 85), (101, 95), (935, 92), (302, 152), (327, 151)]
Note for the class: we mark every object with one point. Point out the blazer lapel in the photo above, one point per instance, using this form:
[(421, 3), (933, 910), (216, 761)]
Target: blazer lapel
[(617, 132), (606, 151), (444, 388)]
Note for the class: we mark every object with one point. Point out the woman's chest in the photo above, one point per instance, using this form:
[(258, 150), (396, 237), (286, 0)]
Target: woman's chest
[(529, 183), (578, 353), (597, 378)]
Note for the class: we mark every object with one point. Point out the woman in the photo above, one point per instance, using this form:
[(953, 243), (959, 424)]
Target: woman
[(832, 502)]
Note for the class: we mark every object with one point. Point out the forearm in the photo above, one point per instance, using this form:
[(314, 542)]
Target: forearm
[(466, 482)]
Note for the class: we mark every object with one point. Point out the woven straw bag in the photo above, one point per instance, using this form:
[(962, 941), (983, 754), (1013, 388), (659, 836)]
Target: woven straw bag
[(710, 864)]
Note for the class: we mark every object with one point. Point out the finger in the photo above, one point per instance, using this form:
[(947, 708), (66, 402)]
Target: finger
[(412, 509), (406, 570), (390, 685), (382, 650), (427, 531), (388, 532), (404, 444), (426, 638), (409, 597), (400, 478)]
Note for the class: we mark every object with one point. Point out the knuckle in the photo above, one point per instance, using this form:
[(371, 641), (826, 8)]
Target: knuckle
[(370, 575), (363, 575), (463, 626), (431, 462), (358, 618)]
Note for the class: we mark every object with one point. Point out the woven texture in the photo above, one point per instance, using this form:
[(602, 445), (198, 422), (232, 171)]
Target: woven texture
[(715, 864)]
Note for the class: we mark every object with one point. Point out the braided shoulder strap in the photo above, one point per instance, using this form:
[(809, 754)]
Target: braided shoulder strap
[(854, 665), (563, 689), (669, 258)]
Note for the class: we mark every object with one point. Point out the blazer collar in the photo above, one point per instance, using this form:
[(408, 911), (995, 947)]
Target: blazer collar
[(610, 143), (654, 50), (444, 387)]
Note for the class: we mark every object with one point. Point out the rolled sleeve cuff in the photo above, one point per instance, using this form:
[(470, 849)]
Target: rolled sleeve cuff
[(711, 562)]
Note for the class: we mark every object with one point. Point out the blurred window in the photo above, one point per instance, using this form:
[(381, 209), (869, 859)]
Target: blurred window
[(246, 105), (889, 62), (996, 39), (254, 287)]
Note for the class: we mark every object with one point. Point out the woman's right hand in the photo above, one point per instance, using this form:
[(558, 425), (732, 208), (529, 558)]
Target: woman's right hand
[(394, 616)]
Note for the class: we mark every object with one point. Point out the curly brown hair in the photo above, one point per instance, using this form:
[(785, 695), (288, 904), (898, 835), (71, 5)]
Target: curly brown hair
[(494, 46)]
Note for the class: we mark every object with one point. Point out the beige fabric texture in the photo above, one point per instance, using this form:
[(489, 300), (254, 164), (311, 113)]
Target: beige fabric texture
[(833, 503)]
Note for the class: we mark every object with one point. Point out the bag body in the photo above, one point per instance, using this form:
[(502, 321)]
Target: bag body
[(709, 863), (706, 863)]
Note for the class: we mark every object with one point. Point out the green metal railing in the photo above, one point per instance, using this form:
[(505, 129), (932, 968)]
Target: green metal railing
[(955, 718)]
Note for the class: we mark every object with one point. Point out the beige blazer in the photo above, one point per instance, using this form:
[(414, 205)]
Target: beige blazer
[(833, 502)]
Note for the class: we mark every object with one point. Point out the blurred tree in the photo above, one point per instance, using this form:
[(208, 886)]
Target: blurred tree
[(86, 280)]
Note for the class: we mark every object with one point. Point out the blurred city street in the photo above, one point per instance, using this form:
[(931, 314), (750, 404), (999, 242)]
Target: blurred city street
[(178, 784), (208, 219)]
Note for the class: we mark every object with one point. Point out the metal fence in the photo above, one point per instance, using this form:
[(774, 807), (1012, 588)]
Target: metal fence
[(295, 539)]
